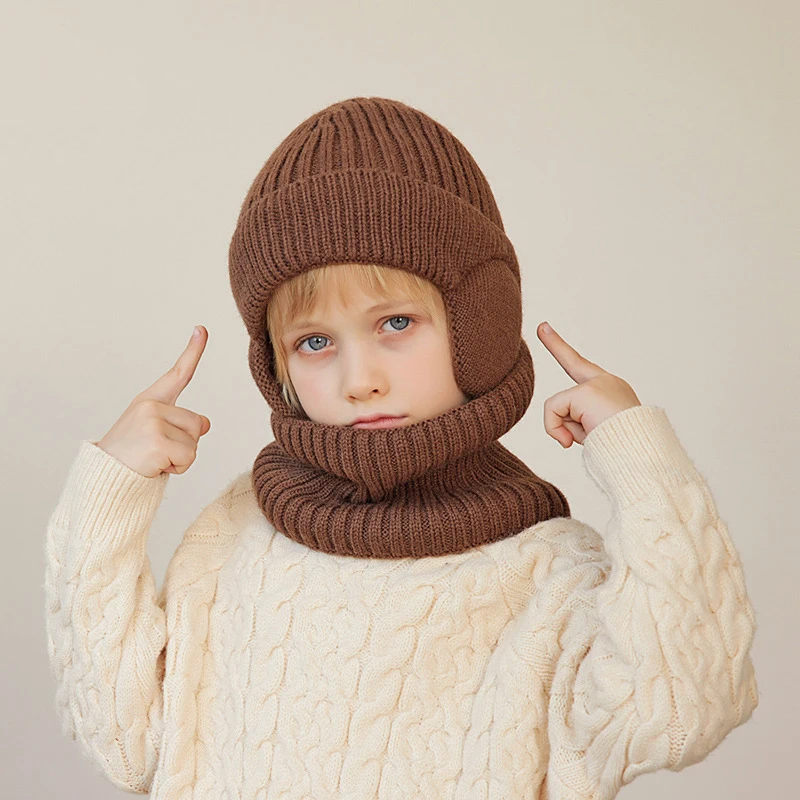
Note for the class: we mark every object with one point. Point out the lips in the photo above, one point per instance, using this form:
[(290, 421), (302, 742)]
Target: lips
[(379, 422)]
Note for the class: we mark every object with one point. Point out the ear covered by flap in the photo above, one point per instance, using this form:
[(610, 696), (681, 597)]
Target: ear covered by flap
[(485, 321)]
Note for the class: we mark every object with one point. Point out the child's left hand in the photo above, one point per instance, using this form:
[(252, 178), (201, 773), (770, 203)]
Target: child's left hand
[(571, 415)]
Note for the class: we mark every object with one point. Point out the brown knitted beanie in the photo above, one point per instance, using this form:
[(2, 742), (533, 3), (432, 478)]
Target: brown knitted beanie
[(373, 180)]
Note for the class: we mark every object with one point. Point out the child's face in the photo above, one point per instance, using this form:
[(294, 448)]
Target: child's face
[(348, 362)]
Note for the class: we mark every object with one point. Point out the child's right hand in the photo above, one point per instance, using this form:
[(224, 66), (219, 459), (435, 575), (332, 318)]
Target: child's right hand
[(154, 435)]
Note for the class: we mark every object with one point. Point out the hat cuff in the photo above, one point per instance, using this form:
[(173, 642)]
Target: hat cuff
[(360, 216)]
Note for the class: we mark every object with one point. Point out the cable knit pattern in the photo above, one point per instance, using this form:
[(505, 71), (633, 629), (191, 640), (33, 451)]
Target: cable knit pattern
[(557, 663)]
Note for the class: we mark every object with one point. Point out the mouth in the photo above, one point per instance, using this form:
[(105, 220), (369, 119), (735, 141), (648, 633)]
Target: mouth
[(379, 422)]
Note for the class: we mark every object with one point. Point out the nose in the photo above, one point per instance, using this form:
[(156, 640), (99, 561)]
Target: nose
[(362, 373)]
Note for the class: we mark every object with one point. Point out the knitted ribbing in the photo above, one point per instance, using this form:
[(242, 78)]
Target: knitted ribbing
[(372, 180)]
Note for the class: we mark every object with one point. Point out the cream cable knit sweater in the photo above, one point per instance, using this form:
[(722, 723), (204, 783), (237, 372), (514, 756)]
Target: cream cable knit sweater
[(556, 664)]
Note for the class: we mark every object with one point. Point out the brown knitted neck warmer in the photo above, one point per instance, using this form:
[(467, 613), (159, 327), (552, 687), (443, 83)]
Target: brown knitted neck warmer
[(372, 180)]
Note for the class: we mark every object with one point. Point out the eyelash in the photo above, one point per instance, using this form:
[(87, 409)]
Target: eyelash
[(412, 321)]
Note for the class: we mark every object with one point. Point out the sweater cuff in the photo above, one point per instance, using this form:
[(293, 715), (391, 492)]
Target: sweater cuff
[(109, 495), (634, 451)]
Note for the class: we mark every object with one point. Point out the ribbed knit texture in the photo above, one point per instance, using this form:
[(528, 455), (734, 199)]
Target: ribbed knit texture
[(373, 180), (558, 663)]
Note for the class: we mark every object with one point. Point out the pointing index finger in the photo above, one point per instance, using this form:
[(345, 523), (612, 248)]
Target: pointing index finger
[(575, 365), (169, 386)]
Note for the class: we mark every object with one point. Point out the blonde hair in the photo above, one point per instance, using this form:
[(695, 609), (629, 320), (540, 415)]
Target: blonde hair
[(300, 294)]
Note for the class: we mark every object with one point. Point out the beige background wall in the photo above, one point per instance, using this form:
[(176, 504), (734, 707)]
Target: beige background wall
[(644, 158)]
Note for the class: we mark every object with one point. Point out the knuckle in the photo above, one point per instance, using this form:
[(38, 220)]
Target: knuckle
[(148, 406), (155, 427)]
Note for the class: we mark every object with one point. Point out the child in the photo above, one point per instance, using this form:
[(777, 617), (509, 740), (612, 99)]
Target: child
[(400, 609)]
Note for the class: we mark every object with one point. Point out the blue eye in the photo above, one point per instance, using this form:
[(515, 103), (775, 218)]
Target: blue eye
[(310, 339), (405, 318)]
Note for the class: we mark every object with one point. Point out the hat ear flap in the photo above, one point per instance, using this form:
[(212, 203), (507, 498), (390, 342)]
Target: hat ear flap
[(485, 315), (262, 360)]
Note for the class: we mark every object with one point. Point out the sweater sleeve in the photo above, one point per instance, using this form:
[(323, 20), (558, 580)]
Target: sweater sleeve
[(105, 623), (655, 669)]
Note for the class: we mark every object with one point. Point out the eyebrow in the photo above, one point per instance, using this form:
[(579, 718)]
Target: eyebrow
[(303, 323)]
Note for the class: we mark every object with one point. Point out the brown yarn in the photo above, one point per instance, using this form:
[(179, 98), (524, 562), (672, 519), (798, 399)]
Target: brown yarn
[(373, 180)]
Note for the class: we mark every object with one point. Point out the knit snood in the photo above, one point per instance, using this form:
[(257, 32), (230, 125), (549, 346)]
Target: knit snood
[(375, 181)]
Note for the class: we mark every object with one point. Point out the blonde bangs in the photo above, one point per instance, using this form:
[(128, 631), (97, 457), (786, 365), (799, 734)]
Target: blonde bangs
[(301, 294)]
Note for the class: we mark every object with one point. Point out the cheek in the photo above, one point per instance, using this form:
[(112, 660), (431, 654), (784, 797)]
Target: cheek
[(306, 381), (433, 364)]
